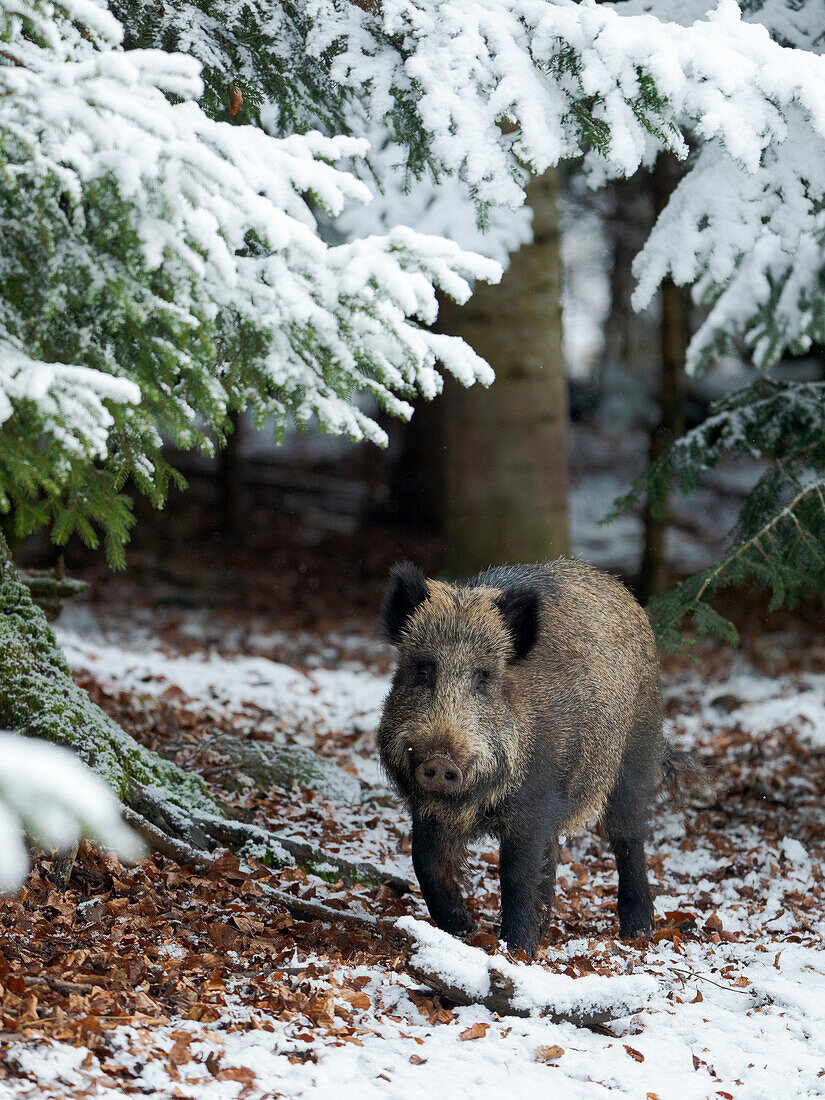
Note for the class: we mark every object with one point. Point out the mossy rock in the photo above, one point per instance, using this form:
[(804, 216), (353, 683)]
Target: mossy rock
[(268, 765)]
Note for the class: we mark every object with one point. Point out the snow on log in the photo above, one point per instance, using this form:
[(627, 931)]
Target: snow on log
[(467, 975)]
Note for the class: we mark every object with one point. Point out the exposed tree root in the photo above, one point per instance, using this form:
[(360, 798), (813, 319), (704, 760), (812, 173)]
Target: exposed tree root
[(167, 845), (300, 852)]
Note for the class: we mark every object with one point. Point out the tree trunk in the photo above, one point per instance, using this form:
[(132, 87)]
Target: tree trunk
[(653, 573), (39, 698), (505, 449)]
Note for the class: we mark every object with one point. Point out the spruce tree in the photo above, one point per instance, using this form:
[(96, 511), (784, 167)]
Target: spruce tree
[(162, 172)]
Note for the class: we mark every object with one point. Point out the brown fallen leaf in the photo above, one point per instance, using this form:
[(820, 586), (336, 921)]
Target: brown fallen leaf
[(145, 1004), (222, 935), (356, 997), (236, 1073), (549, 1054), (714, 924), (417, 1060), (179, 1054), (583, 964), (175, 694), (636, 1055), (477, 1031)]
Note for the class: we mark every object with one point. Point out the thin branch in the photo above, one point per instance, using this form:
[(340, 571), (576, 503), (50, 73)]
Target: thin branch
[(305, 909), (714, 574)]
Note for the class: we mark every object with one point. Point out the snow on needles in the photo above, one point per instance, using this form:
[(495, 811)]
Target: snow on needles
[(499, 84), (224, 211), (472, 66), (46, 791)]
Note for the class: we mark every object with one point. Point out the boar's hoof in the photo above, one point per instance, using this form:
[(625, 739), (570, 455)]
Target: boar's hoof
[(632, 926), (439, 773)]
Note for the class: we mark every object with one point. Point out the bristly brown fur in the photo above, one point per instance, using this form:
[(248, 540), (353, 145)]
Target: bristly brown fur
[(541, 684)]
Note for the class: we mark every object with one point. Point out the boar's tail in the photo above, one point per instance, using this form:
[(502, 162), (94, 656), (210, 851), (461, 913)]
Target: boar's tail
[(680, 771)]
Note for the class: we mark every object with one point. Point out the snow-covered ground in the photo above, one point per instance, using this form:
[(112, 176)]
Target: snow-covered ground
[(738, 963)]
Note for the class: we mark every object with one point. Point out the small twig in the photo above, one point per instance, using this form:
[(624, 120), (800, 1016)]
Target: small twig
[(295, 971), (304, 909), (59, 985), (691, 975)]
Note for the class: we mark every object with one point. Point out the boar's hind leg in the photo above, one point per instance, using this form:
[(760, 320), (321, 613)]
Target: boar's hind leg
[(528, 880), (635, 899), (625, 820), (437, 870)]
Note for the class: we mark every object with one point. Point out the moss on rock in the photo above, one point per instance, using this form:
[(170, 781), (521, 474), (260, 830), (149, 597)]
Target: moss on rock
[(267, 765)]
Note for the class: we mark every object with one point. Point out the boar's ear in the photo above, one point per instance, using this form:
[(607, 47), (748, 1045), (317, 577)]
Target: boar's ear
[(519, 607), (406, 590)]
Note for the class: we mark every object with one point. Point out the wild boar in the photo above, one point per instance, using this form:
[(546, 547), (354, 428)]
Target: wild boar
[(525, 703)]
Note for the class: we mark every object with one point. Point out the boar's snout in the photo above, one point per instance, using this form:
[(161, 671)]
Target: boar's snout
[(439, 773)]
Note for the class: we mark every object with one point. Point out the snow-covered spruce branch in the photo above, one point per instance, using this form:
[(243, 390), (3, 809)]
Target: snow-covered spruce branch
[(180, 255), (71, 399), (784, 420), (749, 238), (751, 243), (48, 795), (745, 226), (569, 77), (479, 89), (777, 542)]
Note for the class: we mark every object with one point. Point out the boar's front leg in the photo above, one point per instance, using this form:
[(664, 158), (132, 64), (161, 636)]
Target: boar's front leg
[(527, 871), (437, 865)]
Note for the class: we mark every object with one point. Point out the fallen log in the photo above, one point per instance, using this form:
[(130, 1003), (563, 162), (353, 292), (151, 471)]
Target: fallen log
[(467, 975)]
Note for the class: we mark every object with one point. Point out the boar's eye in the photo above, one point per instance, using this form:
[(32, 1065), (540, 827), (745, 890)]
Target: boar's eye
[(424, 674), (481, 681)]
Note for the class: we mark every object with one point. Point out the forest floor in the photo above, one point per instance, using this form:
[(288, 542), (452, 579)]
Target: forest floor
[(154, 980)]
